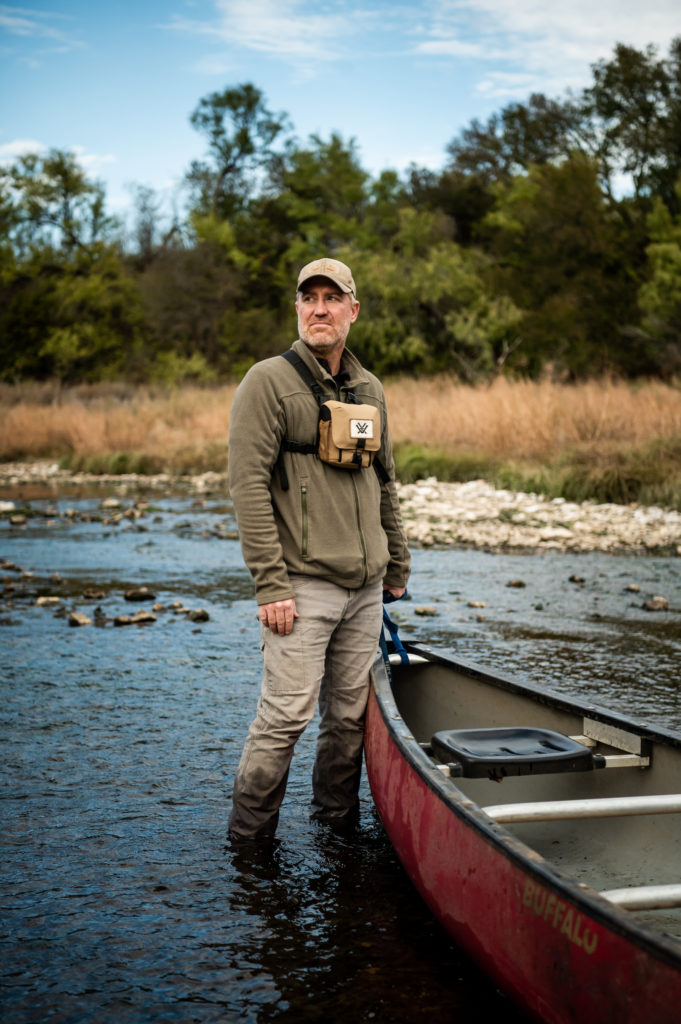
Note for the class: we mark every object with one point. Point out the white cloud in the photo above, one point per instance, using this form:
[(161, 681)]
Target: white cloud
[(92, 162), (549, 47), (31, 24), (500, 84), (19, 147), (281, 28), (452, 48)]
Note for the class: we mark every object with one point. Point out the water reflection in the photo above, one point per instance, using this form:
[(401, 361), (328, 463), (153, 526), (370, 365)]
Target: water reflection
[(340, 933)]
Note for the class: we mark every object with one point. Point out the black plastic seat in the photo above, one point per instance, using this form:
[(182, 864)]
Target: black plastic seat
[(496, 753)]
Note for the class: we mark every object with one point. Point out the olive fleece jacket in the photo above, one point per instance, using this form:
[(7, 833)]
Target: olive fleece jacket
[(340, 525)]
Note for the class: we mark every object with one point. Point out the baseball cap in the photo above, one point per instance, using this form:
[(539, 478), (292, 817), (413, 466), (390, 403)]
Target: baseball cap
[(333, 269)]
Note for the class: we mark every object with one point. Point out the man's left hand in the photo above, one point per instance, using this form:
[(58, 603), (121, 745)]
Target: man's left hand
[(396, 592)]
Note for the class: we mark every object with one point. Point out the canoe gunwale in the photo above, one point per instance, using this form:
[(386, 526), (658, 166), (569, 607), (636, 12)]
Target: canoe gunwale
[(655, 943)]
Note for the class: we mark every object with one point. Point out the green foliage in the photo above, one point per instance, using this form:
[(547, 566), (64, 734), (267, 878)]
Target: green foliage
[(240, 131), (169, 368), (425, 306), (561, 258), (635, 101), (68, 309), (73, 316), (207, 458), (114, 464), (47, 202), (537, 132), (648, 475), (517, 257), (413, 462), (660, 296)]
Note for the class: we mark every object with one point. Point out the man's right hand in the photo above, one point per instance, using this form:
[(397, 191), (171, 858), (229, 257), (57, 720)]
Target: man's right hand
[(279, 615)]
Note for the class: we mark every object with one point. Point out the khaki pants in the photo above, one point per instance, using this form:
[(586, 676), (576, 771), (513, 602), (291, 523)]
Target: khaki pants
[(325, 659)]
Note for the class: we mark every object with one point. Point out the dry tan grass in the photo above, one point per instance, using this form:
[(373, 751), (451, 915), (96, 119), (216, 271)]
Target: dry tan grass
[(162, 425), (507, 419), (532, 419)]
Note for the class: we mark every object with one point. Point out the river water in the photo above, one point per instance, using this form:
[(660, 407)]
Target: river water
[(122, 900)]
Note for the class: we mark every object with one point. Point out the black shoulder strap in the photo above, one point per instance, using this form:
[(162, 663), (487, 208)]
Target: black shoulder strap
[(315, 387), (305, 372)]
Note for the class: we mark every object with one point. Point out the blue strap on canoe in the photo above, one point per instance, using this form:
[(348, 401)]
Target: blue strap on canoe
[(391, 626)]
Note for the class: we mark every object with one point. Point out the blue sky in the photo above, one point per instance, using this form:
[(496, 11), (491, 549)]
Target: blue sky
[(117, 81)]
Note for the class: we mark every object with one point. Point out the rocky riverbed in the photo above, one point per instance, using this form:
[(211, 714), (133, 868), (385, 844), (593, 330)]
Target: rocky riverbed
[(475, 514), (436, 514)]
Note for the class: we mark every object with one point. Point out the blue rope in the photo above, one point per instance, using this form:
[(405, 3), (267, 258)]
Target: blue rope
[(391, 626)]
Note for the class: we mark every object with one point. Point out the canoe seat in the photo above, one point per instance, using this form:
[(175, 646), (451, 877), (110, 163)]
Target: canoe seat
[(496, 753)]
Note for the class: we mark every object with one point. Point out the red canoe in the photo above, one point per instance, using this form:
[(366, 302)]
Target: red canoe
[(545, 835)]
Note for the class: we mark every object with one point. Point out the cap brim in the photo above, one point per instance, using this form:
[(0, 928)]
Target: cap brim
[(339, 284)]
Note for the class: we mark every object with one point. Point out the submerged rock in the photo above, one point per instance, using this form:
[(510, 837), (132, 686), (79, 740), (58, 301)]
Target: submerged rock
[(140, 618), (198, 615), (79, 619), (139, 594), (656, 604)]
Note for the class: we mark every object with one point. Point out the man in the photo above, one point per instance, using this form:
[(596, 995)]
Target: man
[(322, 543)]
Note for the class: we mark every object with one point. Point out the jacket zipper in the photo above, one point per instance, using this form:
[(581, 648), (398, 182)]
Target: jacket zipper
[(303, 496)]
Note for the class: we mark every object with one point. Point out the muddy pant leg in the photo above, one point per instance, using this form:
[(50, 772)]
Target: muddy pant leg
[(293, 667), (343, 698)]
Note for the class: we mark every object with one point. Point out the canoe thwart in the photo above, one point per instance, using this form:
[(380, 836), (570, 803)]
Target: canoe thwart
[(496, 753), (645, 897), (599, 807)]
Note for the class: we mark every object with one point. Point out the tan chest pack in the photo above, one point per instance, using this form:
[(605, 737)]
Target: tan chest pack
[(349, 433)]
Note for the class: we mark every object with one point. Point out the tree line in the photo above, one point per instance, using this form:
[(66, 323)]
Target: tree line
[(550, 241)]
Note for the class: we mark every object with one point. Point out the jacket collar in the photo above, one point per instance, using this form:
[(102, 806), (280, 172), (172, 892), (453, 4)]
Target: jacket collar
[(349, 363)]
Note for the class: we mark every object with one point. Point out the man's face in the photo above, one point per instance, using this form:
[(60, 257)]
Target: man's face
[(324, 316)]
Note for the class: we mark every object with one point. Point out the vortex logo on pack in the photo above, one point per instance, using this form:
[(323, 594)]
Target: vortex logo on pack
[(361, 428)]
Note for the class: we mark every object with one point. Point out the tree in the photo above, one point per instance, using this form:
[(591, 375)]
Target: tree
[(68, 308), (660, 295), (635, 106), (426, 307), (314, 202), (188, 295), (562, 256), (241, 131), (54, 205), (462, 198), (537, 132)]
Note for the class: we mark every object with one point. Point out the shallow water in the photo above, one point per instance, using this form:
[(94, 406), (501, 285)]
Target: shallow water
[(121, 899)]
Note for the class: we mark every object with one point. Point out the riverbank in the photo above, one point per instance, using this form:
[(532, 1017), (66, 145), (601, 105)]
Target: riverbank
[(599, 440), (475, 514), (436, 514)]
